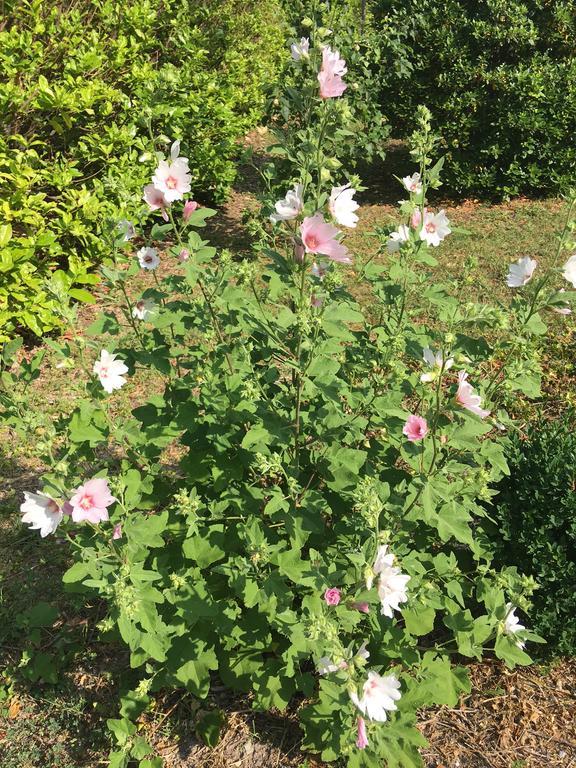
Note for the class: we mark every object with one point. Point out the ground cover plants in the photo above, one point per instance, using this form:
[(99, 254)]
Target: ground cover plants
[(299, 506)]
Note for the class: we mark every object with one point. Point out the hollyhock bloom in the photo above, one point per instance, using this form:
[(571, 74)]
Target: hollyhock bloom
[(467, 399), (91, 501), (189, 207), (413, 183), (521, 272), (41, 512), (156, 200), (342, 206), (319, 237), (399, 236), (148, 258), (512, 624), (436, 227), (126, 229), (326, 666), (290, 206), (173, 177), (362, 607), (110, 371), (143, 308), (184, 255), (330, 75), (569, 270), (416, 428), (332, 596), (319, 270), (392, 590), (300, 50), (117, 532), (362, 740), (436, 362), (379, 695)]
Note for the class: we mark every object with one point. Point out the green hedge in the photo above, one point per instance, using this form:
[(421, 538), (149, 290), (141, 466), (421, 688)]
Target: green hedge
[(536, 525), (87, 85), (500, 79)]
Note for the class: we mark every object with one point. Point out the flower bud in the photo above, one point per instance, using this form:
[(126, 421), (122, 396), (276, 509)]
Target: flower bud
[(189, 208)]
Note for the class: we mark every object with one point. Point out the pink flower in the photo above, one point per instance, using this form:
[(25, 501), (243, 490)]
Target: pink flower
[(416, 218), (362, 607), (172, 177), (117, 532), (415, 428), (362, 740), (156, 200), (332, 596), (319, 237), (189, 208), (184, 255), (467, 399), (436, 227), (330, 75), (316, 301), (91, 501)]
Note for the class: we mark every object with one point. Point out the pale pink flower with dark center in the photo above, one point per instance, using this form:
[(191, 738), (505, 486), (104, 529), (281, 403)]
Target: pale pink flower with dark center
[(189, 207), (413, 183), (342, 206), (110, 371), (362, 740), (435, 228), (520, 272), (41, 513), (148, 258), (126, 229), (332, 596), (466, 397), (156, 200), (172, 177), (91, 501), (379, 696), (416, 428), (143, 308), (319, 237)]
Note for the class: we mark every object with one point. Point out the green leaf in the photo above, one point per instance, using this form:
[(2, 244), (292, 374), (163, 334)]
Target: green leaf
[(209, 727)]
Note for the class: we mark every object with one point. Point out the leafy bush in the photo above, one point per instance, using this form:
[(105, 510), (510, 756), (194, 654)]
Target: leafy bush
[(499, 76), (91, 86), (301, 494), (535, 512)]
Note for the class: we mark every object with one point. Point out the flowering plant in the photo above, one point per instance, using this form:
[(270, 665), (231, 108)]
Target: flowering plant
[(299, 506)]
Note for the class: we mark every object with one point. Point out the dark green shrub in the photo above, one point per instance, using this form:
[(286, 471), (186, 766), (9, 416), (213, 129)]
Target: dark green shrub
[(88, 88), (536, 518), (500, 79)]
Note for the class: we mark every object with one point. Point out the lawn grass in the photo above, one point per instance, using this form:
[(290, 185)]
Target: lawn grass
[(60, 724)]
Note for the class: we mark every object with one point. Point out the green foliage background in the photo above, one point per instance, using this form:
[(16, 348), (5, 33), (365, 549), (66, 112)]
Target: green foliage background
[(499, 77), (536, 520), (87, 88)]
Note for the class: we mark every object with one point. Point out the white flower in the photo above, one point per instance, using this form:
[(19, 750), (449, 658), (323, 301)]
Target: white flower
[(332, 62), (434, 361), (325, 666), (126, 229), (569, 270), (290, 206), (148, 258), (172, 177), (110, 371), (342, 206), (41, 512), (391, 584), (435, 228), (401, 235), (413, 183), (564, 309), (521, 272), (512, 624), (155, 200), (300, 50), (379, 695), (363, 652), (143, 308)]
